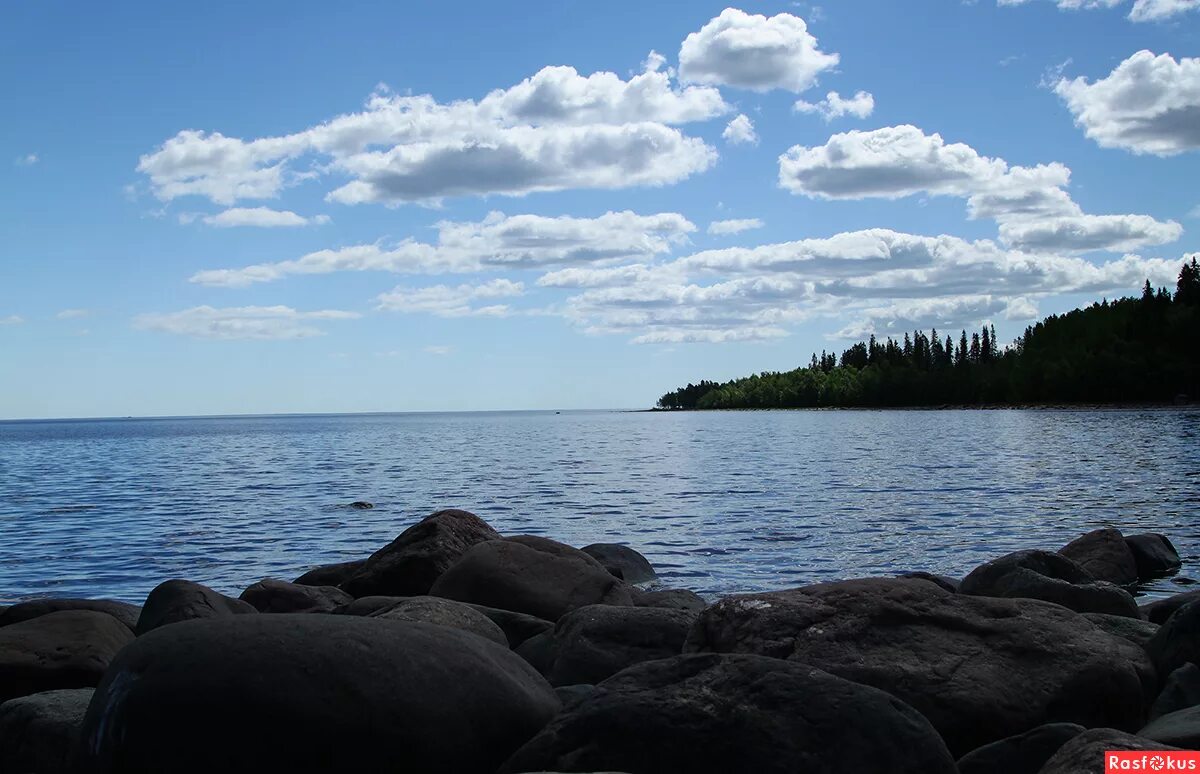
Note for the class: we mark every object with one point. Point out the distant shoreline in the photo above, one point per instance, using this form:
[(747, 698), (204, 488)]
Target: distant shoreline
[(954, 407)]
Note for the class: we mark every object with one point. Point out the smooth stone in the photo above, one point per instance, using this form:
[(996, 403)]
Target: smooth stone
[(443, 612), (622, 561), (38, 732), (715, 714), (368, 605), (669, 599), (1049, 577), (330, 574), (1154, 555), (1177, 641), (539, 651), (67, 649), (980, 668), (595, 642), (944, 582), (1085, 753), (570, 695), (1021, 754), (311, 693), (182, 600), (1135, 630), (1160, 610), (23, 611), (1180, 728), (518, 627), (409, 565), (276, 596), (1105, 556), (1180, 691)]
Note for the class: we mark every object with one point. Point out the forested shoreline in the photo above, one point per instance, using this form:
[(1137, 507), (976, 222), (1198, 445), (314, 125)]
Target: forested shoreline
[(1143, 349)]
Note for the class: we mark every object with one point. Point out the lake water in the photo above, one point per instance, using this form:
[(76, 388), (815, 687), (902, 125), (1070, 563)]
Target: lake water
[(719, 502)]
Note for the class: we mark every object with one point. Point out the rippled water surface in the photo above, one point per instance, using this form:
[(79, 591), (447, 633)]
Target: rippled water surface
[(720, 502)]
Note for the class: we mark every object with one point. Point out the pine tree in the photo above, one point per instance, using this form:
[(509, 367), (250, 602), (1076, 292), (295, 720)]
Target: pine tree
[(985, 349), (1187, 291)]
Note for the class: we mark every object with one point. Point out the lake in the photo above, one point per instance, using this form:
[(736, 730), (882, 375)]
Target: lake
[(720, 502)]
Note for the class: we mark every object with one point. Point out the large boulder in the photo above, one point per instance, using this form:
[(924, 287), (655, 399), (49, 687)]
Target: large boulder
[(330, 574), (1050, 577), (276, 596), (37, 732), (443, 612), (671, 599), (981, 669), (1180, 691), (409, 565), (538, 577), (1105, 556), (595, 642), (1177, 641), (23, 611), (1154, 555), (1085, 753), (716, 714), (67, 649), (1135, 630), (622, 561), (517, 627), (1022, 754), (1180, 728), (309, 693), (1160, 610), (181, 600)]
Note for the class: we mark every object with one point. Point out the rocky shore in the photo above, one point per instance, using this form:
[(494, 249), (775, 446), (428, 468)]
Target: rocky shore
[(456, 649)]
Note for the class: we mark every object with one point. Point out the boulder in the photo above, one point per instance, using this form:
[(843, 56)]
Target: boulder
[(539, 651), (276, 596), (1154, 555), (38, 731), (518, 627), (1021, 754), (23, 611), (1180, 728), (595, 642), (1050, 577), (1180, 691), (409, 565), (570, 695), (67, 649), (1177, 641), (1105, 556), (981, 669), (181, 600), (1085, 753), (443, 612), (622, 561), (362, 505), (368, 605), (670, 599), (715, 714), (541, 578), (943, 581), (1160, 610), (330, 574), (309, 693), (1135, 630)]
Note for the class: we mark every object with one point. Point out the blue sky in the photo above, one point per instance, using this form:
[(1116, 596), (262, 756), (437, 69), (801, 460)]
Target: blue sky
[(300, 207)]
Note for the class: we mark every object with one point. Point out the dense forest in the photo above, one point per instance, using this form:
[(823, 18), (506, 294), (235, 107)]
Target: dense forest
[(1140, 349)]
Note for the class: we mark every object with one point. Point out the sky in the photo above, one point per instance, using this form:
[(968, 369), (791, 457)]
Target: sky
[(292, 207)]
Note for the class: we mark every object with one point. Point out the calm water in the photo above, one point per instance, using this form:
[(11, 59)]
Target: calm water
[(720, 502)]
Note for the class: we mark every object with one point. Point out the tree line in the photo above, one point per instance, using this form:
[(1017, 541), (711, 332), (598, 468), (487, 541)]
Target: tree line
[(1136, 349)]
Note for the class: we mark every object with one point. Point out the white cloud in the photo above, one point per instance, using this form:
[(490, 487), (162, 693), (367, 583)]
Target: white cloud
[(1147, 104), (244, 322), (262, 217), (861, 105), (734, 226), (740, 130), (438, 349), (12, 319), (72, 314), (499, 241), (1142, 10), (1082, 233), (28, 160), (947, 315), (447, 301), (754, 52)]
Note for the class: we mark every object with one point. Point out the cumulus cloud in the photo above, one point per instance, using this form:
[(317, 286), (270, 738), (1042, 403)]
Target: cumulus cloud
[(740, 130), (945, 314), (12, 319), (448, 301), (861, 105), (498, 241), (751, 51), (243, 322), (1082, 233), (1147, 104), (1142, 10), (262, 217), (72, 314), (734, 226)]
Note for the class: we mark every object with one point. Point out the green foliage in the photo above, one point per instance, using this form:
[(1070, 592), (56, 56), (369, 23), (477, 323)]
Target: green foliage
[(1128, 350)]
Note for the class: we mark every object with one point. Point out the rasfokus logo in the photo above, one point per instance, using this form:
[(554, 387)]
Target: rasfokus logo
[(1150, 760)]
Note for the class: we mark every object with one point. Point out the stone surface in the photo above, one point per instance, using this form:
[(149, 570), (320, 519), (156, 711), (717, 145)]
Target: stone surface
[(1021, 754), (1105, 556), (1154, 555), (716, 714), (943, 581), (23, 611), (981, 669), (443, 612), (67, 649), (276, 596), (1178, 729), (595, 642), (1135, 630), (1177, 641), (671, 599), (37, 732), (1160, 610), (518, 627), (622, 561), (409, 565), (181, 600), (1085, 753), (301, 693), (1180, 690), (1050, 577), (330, 574)]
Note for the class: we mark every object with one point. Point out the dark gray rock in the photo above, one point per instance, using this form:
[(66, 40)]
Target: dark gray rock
[(570, 695), (368, 605), (1154, 555), (311, 693), (23, 611), (181, 600), (981, 669), (37, 732), (1104, 555), (1085, 753), (1180, 691), (1021, 754), (362, 505), (670, 599), (276, 596), (330, 574), (539, 651), (595, 642), (537, 577), (518, 627), (715, 714), (1177, 641), (409, 565), (1179, 729), (1135, 630), (943, 581), (1050, 577), (67, 649), (443, 612), (1160, 610), (622, 561)]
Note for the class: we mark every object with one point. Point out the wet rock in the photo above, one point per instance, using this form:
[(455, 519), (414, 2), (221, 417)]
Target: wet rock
[(409, 565), (38, 731), (67, 649), (1085, 753), (443, 612), (595, 642), (276, 596), (1180, 728), (181, 600), (570, 695), (23, 611), (1160, 610), (622, 561), (538, 577), (1050, 577), (942, 581), (517, 627), (330, 574), (1154, 555), (1135, 630), (714, 714), (1180, 691), (981, 669), (669, 599), (1177, 641), (303, 693), (1105, 556), (1022, 754), (366, 606), (362, 505)]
